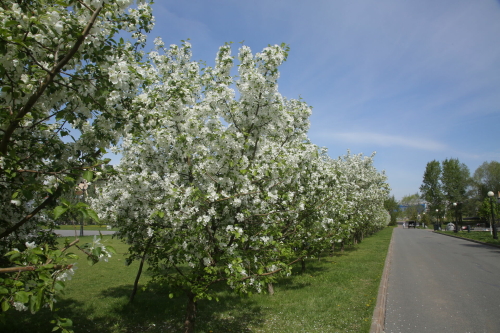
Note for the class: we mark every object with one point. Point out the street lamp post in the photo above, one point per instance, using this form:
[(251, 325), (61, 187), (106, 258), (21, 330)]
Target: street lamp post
[(437, 217), (493, 225), (456, 220)]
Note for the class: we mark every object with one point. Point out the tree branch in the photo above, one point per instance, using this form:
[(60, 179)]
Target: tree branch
[(46, 82), (25, 219), (30, 268)]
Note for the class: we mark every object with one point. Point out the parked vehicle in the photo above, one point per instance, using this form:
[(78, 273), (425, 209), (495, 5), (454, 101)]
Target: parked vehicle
[(465, 227)]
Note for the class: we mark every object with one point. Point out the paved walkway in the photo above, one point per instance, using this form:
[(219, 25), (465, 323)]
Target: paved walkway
[(441, 284)]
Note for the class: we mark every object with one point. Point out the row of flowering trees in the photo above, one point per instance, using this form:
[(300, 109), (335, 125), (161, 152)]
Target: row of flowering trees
[(218, 182)]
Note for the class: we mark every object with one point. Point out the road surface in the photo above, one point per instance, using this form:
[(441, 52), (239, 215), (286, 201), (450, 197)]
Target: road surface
[(71, 233), (442, 284)]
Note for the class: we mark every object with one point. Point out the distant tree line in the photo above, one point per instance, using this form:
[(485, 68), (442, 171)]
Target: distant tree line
[(452, 193), (449, 192)]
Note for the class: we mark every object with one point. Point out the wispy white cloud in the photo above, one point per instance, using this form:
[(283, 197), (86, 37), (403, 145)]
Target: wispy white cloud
[(385, 140)]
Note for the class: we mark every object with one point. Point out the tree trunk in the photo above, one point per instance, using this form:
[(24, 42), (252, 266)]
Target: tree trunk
[(303, 261), (342, 247), (134, 290), (136, 282), (190, 314), (270, 289), (332, 250)]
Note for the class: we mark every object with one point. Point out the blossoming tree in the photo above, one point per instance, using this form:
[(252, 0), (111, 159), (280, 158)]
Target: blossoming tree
[(216, 186), (65, 82)]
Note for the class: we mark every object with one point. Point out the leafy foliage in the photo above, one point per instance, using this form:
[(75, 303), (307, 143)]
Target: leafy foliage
[(487, 178), (431, 188), (489, 209)]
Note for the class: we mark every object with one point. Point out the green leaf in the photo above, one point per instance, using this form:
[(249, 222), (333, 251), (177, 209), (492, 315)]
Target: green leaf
[(58, 211), (71, 256), (66, 322), (93, 215), (59, 285), (14, 256), (88, 175), (91, 260), (22, 296), (36, 302), (39, 300), (110, 249), (97, 251), (5, 305)]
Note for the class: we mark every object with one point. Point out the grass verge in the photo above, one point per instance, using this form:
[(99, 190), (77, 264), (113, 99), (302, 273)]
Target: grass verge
[(481, 236), (335, 294)]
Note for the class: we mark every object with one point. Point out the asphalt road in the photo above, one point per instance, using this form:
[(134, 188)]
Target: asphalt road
[(71, 233), (442, 284)]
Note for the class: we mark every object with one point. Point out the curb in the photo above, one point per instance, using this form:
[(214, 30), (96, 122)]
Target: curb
[(378, 319), (467, 239)]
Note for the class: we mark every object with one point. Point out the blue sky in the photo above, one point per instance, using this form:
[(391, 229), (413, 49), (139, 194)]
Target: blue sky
[(413, 80)]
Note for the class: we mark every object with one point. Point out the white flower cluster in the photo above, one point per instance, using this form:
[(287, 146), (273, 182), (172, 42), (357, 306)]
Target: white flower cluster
[(104, 254), (66, 274), (20, 306)]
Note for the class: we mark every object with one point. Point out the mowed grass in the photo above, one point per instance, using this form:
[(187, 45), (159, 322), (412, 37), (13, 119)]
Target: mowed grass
[(481, 236), (336, 294)]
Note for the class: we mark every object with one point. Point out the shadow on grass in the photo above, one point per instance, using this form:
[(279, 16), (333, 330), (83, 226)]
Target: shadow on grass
[(154, 311), (151, 311)]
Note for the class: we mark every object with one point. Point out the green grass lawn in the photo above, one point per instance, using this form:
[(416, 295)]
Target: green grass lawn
[(335, 294), (482, 236)]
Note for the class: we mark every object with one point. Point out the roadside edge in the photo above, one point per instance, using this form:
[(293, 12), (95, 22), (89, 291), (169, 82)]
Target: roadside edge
[(467, 239), (378, 318)]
